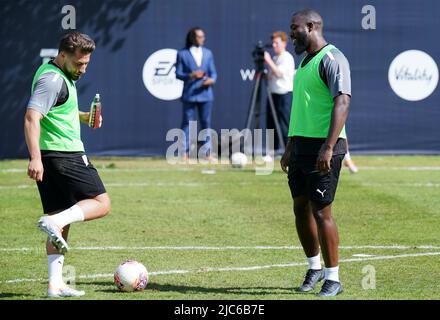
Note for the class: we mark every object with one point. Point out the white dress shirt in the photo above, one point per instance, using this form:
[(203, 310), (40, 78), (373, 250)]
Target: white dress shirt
[(197, 53), (286, 64)]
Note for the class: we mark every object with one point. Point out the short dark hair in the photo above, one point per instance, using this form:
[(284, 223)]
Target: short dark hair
[(74, 40), (191, 37), (311, 16)]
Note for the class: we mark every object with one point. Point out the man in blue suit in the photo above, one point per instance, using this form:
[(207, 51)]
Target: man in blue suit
[(195, 67)]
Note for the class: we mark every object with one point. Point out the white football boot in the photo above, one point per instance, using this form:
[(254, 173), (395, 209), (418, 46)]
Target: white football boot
[(47, 225), (351, 166), (63, 292)]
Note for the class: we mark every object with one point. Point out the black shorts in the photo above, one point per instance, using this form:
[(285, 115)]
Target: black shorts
[(68, 179), (306, 180)]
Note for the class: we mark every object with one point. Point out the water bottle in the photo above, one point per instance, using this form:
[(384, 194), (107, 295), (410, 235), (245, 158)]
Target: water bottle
[(95, 112)]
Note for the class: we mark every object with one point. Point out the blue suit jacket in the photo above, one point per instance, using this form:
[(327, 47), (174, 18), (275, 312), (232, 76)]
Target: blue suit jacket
[(193, 91)]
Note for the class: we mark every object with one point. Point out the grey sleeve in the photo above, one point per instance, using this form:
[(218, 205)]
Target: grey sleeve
[(335, 72), (46, 92)]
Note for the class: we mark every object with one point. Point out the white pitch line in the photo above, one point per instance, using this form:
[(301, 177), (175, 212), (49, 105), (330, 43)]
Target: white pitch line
[(248, 268), (16, 170), (410, 185), (125, 185), (414, 168), (24, 280), (20, 186), (364, 255), (12, 170), (136, 184), (242, 183), (184, 169), (253, 247), (190, 248), (216, 248)]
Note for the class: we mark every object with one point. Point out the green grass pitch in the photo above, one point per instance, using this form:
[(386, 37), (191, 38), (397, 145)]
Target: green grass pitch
[(230, 235)]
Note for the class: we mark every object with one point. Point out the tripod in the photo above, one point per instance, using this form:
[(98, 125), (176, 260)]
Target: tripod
[(255, 105)]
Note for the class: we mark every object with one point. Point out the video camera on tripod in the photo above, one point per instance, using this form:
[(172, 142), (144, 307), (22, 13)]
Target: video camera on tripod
[(261, 82), (258, 55)]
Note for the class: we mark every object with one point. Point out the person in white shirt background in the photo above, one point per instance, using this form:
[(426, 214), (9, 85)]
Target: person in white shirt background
[(280, 80)]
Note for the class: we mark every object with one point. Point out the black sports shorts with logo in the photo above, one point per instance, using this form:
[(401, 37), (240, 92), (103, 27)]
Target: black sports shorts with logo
[(304, 177), (68, 177)]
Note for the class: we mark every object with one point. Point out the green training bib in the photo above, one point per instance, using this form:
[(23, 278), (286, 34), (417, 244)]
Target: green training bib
[(60, 127), (312, 103)]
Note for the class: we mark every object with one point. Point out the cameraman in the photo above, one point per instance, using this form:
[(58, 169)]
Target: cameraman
[(282, 69)]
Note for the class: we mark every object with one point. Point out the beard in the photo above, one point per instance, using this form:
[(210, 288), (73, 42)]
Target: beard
[(74, 77), (71, 74), (301, 42)]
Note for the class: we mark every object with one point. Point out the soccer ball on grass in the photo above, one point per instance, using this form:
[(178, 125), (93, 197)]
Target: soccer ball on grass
[(239, 160), (131, 276)]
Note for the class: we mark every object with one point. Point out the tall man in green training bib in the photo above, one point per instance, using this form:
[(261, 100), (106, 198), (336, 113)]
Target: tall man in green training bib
[(69, 185), (316, 147)]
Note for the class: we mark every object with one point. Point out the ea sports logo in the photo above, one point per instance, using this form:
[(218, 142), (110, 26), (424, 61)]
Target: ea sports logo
[(159, 75), (413, 75)]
